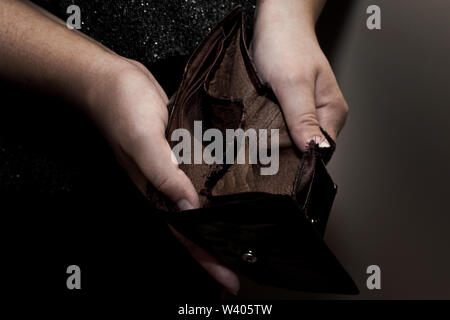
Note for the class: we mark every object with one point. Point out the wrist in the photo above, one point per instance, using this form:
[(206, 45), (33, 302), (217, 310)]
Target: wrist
[(298, 15)]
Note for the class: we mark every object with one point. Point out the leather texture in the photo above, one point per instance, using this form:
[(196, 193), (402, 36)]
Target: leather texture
[(279, 219)]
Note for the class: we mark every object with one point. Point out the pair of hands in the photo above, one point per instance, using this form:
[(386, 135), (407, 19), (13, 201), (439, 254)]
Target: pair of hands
[(287, 56)]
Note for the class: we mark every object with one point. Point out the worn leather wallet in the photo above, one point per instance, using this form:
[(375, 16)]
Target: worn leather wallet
[(266, 227)]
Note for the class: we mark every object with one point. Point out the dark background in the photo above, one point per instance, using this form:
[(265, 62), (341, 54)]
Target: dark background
[(391, 165)]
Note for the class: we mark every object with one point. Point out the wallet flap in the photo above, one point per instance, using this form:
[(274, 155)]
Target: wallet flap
[(267, 240)]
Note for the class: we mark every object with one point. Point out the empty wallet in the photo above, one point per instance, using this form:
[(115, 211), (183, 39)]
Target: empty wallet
[(266, 227)]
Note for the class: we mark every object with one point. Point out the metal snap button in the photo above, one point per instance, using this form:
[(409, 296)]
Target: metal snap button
[(249, 257), (314, 221)]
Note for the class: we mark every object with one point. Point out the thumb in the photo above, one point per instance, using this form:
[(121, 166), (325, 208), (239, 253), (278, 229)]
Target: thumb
[(297, 100), (155, 160)]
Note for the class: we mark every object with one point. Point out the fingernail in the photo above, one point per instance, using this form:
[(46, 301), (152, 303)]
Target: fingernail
[(321, 141), (183, 204), (316, 139), (324, 144)]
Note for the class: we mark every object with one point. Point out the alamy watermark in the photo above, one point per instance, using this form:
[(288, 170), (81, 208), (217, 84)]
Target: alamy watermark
[(230, 149), (374, 280), (74, 279), (374, 20), (74, 20)]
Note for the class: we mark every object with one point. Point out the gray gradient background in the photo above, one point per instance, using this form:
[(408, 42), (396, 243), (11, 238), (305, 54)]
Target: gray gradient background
[(392, 164)]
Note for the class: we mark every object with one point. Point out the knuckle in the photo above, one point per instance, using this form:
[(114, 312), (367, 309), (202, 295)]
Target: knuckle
[(303, 123), (293, 79), (342, 106), (338, 104), (167, 181), (163, 183), (294, 75), (307, 119)]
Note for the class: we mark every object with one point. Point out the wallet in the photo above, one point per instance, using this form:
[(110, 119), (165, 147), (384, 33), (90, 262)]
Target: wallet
[(268, 228)]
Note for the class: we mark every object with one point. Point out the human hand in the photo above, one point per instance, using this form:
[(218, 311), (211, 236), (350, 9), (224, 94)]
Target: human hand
[(288, 57), (131, 109)]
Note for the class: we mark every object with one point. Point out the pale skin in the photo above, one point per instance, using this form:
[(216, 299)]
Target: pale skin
[(122, 97)]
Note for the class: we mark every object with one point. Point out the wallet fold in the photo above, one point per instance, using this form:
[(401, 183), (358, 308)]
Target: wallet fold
[(267, 227)]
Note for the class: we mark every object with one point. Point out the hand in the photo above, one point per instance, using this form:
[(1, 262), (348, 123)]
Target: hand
[(288, 57), (131, 109), (37, 50)]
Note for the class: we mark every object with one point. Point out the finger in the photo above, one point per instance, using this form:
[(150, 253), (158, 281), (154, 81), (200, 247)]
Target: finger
[(154, 158), (172, 188), (219, 272), (297, 100), (332, 109)]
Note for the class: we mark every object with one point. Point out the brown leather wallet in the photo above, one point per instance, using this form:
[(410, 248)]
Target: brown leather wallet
[(268, 227)]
